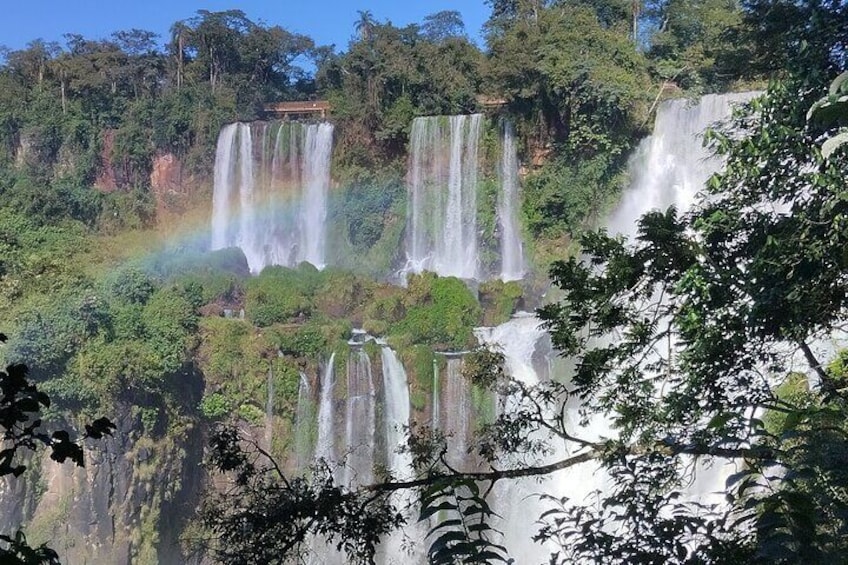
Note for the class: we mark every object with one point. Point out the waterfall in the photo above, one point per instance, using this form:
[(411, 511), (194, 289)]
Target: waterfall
[(303, 420), (317, 154), (436, 408), (455, 419), (325, 441), (247, 236), (442, 203), (519, 340), (395, 413), (512, 257), (271, 190), (224, 184), (671, 166), (360, 420)]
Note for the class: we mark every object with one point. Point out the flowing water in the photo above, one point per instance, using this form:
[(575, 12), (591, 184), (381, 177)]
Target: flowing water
[(442, 213), (396, 412), (512, 252), (271, 189), (521, 341), (671, 166), (360, 422), (324, 445), (304, 416)]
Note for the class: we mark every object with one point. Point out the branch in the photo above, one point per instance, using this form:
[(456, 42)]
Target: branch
[(760, 453), (494, 475), (269, 457), (662, 89), (827, 383)]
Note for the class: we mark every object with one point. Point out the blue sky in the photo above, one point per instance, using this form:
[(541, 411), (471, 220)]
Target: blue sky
[(326, 21)]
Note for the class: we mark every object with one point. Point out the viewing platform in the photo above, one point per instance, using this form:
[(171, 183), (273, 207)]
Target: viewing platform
[(305, 109), (299, 109), (490, 102)]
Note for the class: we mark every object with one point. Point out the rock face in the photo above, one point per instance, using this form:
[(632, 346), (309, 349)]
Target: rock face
[(167, 183), (127, 505), (108, 177), (166, 174)]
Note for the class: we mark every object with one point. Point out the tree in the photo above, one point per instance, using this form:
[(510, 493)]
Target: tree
[(227, 50), (364, 24), (832, 111), (443, 25), (388, 76), (692, 42), (781, 36), (576, 78)]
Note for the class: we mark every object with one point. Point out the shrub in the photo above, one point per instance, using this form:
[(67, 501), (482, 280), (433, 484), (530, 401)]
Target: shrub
[(280, 295), (441, 312), (130, 286), (215, 406)]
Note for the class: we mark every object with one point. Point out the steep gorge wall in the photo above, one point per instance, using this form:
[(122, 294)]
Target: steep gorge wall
[(129, 504)]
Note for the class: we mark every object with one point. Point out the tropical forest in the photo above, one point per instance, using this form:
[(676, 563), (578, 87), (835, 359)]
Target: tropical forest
[(574, 290)]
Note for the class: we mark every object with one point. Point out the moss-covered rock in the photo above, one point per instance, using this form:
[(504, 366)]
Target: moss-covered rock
[(439, 311)]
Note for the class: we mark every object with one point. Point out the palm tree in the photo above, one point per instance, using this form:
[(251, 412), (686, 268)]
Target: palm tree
[(365, 24), (178, 36)]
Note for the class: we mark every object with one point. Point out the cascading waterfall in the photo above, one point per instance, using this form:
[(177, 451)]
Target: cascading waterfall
[(672, 165), (396, 412), (514, 501), (669, 168), (442, 204), (224, 165), (271, 190), (446, 168), (358, 456), (436, 408), (303, 419), (317, 155), (454, 419), (512, 254), (324, 443), (360, 420)]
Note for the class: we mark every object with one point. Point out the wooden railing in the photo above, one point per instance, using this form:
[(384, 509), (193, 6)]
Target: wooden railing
[(490, 103), (301, 108), (321, 108)]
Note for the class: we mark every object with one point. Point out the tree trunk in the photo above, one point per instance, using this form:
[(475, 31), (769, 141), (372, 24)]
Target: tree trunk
[(180, 60), (637, 10)]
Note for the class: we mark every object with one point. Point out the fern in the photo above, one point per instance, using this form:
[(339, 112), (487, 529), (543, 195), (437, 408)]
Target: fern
[(461, 533)]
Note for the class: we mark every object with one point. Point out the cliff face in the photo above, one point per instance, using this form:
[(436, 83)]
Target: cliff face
[(166, 175), (127, 505)]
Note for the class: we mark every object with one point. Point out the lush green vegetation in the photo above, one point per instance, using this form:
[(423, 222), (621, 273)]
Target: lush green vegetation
[(182, 338)]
